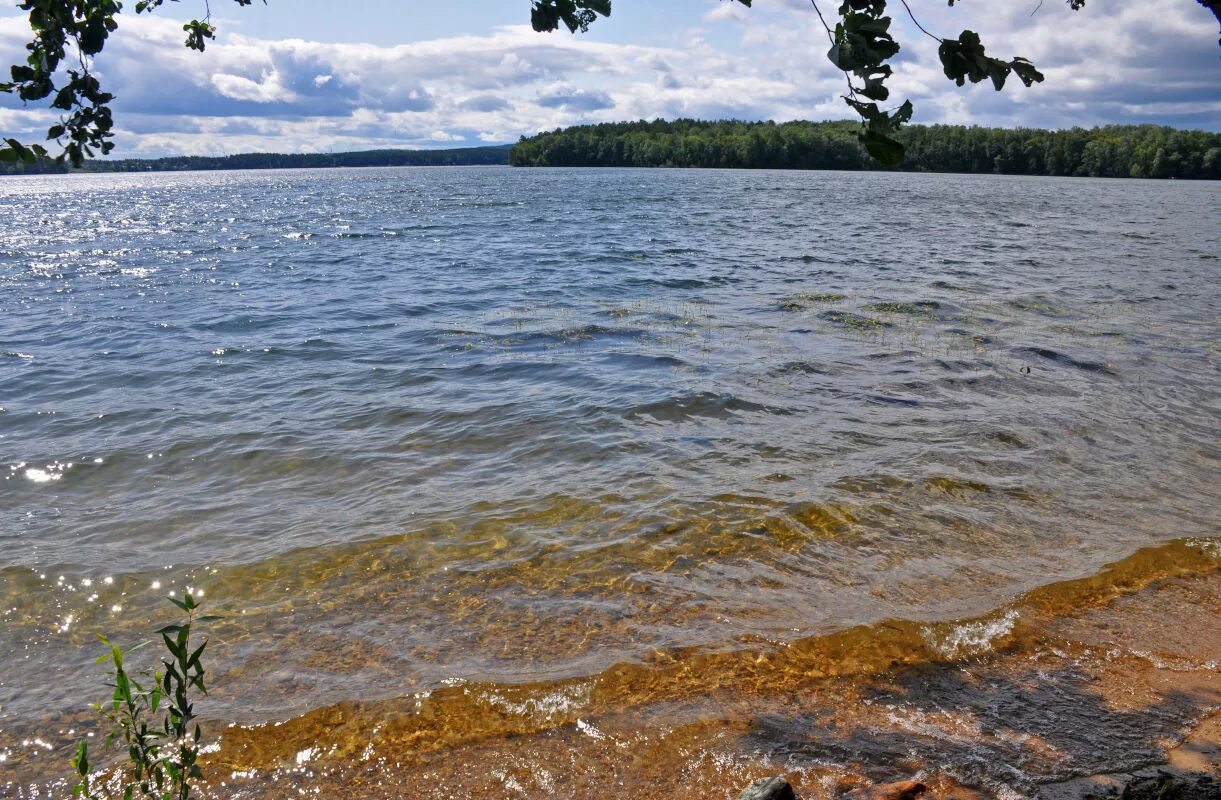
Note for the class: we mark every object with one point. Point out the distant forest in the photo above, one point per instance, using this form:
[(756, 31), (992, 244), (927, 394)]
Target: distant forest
[(1115, 151), (461, 156)]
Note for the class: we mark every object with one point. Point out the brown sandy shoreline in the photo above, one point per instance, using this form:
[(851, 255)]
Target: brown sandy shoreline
[(1075, 690), (1095, 677)]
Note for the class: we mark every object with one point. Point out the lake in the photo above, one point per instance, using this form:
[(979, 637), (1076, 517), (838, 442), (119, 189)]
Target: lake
[(414, 431)]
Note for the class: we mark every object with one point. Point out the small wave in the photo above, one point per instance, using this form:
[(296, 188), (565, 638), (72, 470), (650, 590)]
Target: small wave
[(238, 324), (537, 706), (801, 368), (360, 235), (671, 283), (956, 487), (891, 400), (644, 361), (540, 339), (969, 638), (706, 405), (1045, 307), (1068, 361), (807, 259)]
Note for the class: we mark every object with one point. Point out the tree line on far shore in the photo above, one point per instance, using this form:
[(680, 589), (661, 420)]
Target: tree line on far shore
[(1114, 151), (463, 156)]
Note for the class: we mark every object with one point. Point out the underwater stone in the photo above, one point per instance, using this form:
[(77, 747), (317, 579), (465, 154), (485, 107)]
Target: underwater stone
[(902, 790), (776, 788)]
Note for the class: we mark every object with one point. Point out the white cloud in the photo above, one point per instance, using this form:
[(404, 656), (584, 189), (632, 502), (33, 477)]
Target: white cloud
[(267, 89), (1122, 61), (726, 11)]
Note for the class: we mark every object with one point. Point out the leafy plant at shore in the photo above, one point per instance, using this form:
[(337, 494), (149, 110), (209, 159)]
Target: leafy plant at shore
[(153, 719)]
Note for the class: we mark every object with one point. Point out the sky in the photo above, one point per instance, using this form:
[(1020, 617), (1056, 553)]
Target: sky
[(336, 75)]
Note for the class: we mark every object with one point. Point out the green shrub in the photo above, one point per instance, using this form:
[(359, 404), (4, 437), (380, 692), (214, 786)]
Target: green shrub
[(152, 718)]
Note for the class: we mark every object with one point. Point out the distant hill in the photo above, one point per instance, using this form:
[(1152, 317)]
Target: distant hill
[(1114, 151), (460, 156)]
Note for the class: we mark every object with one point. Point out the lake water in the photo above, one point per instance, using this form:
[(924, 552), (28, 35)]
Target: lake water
[(416, 429)]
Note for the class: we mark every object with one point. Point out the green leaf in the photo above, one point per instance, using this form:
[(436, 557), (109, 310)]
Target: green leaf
[(1026, 71), (81, 759), (874, 77), (882, 148), (122, 687), (903, 115), (194, 659)]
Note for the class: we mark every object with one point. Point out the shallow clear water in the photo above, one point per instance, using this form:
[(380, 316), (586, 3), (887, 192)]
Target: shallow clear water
[(411, 427)]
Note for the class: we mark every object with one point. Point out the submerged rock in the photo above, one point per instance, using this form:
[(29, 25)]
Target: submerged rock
[(776, 788), (902, 790)]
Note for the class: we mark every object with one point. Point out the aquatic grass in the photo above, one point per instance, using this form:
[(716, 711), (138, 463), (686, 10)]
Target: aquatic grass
[(856, 322), (921, 307), (803, 300)]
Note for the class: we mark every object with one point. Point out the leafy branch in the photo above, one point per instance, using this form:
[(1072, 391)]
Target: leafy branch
[(861, 45), (576, 15), (74, 32)]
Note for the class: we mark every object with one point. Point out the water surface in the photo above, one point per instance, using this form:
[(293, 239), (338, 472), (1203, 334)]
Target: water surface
[(408, 429)]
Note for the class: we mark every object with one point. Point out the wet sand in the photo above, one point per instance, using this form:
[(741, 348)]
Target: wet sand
[(1064, 693), (1103, 675)]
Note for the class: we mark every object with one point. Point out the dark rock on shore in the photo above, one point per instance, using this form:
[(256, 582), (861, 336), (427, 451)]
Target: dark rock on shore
[(776, 788), (1192, 772), (1151, 784)]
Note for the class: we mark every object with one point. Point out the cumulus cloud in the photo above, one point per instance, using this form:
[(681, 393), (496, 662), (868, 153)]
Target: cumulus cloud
[(569, 98), (486, 103), (1125, 61)]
